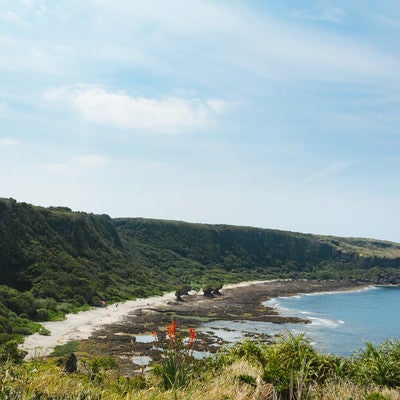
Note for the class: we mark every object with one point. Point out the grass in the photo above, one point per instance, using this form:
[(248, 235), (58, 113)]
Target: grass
[(290, 369), (65, 349)]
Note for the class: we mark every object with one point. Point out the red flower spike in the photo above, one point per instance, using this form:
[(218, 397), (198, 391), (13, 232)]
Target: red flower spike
[(192, 334), (192, 338), (173, 327)]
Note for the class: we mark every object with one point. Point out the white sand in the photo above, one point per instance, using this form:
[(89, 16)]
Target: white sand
[(81, 325)]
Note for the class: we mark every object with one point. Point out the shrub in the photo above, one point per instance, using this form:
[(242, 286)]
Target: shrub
[(9, 351), (42, 314), (380, 365), (65, 349), (291, 365)]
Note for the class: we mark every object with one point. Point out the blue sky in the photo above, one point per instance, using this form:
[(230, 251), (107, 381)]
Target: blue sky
[(276, 114)]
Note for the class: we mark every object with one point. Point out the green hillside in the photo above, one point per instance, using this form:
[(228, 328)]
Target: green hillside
[(54, 261), (235, 250)]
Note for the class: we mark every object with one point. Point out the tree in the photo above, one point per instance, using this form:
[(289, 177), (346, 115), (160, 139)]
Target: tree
[(212, 288), (182, 291)]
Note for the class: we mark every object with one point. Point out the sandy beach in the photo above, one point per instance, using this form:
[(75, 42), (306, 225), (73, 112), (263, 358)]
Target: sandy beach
[(104, 325), (83, 324)]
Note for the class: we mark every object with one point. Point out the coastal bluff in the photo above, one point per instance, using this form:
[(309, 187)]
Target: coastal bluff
[(54, 261)]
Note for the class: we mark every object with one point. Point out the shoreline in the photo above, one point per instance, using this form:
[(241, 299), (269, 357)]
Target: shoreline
[(81, 325), (106, 329), (334, 291)]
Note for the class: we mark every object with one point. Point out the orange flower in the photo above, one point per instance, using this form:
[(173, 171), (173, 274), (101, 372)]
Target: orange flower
[(192, 334), (173, 327), (171, 330), (192, 338)]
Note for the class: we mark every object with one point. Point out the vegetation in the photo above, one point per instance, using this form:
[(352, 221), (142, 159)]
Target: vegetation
[(55, 261), (177, 366), (290, 369)]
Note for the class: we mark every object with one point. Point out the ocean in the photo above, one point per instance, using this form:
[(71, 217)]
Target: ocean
[(340, 322)]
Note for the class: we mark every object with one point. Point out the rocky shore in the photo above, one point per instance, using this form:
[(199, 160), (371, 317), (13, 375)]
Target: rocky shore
[(131, 341)]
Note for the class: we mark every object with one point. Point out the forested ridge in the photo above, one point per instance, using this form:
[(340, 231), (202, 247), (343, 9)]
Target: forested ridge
[(54, 260)]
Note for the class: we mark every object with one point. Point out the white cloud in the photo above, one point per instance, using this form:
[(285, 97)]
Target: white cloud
[(74, 165), (205, 41), (12, 17), (218, 106), (63, 168), (90, 160), (6, 142), (117, 109), (330, 170), (239, 36), (18, 54), (56, 93)]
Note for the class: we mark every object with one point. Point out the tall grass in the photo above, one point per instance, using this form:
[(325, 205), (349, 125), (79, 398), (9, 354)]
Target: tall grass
[(380, 365), (297, 371), (289, 369)]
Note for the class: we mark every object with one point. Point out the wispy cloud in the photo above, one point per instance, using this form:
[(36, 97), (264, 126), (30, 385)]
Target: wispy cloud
[(11, 17), (18, 54), (280, 91), (263, 44), (76, 164), (7, 142), (330, 170), (118, 109), (90, 160), (327, 14), (199, 39)]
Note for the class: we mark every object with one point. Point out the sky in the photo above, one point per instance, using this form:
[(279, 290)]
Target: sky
[(274, 114)]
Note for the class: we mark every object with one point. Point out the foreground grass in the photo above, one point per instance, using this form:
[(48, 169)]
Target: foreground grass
[(288, 370)]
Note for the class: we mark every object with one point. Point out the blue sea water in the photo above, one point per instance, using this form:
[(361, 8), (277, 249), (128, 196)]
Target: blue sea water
[(340, 322)]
